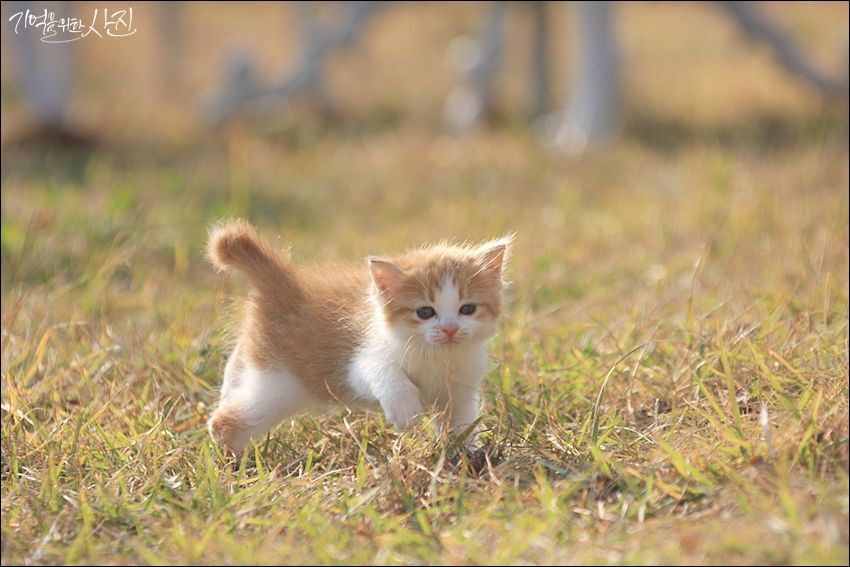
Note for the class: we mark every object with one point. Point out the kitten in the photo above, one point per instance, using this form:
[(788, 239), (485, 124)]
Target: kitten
[(402, 334)]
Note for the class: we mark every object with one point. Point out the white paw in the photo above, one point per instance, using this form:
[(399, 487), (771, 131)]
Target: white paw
[(403, 410)]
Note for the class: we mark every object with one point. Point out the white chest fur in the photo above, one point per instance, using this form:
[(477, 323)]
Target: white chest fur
[(437, 372)]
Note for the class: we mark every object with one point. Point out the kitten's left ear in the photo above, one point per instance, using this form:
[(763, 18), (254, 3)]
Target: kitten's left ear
[(493, 255), (385, 274)]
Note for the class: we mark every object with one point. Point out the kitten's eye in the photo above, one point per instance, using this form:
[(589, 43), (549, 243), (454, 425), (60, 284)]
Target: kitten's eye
[(467, 309), (425, 312)]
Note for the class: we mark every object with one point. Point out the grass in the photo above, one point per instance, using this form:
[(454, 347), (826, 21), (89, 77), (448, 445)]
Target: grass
[(670, 383)]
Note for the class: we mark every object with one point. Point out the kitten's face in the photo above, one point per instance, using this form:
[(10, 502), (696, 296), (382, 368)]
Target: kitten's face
[(443, 296)]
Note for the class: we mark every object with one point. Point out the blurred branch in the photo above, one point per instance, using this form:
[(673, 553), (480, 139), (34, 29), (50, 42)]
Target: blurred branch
[(787, 53), (46, 69), (592, 114), (317, 44)]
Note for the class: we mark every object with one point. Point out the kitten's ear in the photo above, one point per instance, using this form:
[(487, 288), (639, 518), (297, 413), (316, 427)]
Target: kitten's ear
[(492, 255), (385, 274)]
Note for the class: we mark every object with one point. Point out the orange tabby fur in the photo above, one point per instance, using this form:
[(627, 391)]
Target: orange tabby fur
[(313, 321)]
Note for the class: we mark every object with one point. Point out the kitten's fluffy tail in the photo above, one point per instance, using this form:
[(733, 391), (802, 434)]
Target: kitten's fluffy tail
[(235, 245)]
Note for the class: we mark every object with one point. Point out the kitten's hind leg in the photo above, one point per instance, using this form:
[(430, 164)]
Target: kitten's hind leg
[(253, 401)]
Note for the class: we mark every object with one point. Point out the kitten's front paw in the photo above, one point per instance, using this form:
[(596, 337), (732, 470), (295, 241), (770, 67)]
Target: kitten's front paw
[(404, 411)]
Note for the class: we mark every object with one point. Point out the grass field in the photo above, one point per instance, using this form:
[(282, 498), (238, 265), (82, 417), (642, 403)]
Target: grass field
[(669, 386)]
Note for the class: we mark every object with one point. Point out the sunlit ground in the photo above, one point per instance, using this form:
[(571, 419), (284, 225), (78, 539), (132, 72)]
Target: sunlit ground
[(670, 381)]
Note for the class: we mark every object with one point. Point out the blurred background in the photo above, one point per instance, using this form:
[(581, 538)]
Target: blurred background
[(347, 128), (370, 65), (179, 69)]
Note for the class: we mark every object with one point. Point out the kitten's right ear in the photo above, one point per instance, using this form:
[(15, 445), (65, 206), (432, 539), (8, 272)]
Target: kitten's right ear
[(494, 253), (385, 274)]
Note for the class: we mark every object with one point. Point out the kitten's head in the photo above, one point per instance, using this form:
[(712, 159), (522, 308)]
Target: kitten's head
[(443, 295)]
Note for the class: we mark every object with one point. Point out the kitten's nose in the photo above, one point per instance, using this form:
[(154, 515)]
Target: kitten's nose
[(450, 329)]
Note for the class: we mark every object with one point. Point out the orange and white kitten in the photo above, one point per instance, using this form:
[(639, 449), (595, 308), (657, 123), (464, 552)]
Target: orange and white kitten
[(403, 334)]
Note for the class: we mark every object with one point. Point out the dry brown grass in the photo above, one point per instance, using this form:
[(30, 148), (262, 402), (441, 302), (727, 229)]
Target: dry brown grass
[(670, 383)]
